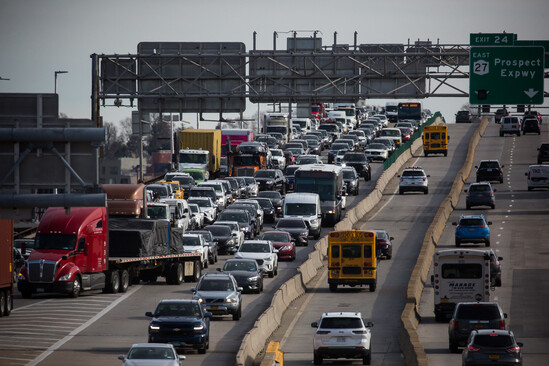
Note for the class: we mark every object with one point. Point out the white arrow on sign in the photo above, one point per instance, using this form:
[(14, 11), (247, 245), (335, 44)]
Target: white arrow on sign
[(531, 92)]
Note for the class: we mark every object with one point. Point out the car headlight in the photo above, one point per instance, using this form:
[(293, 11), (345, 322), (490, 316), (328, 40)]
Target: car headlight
[(253, 279), (286, 247), (230, 242), (231, 300), (65, 277), (314, 222), (268, 259), (244, 228), (304, 233), (270, 182), (153, 328), (199, 328)]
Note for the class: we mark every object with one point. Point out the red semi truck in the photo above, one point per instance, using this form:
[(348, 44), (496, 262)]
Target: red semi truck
[(85, 248), (6, 267)]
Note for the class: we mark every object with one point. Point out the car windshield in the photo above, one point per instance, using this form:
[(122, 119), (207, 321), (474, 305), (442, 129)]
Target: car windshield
[(355, 157), (233, 216), (300, 209), (331, 128), (194, 208), (276, 152), (216, 285), (493, 340), (471, 222), (201, 203), (206, 234), (339, 146), (191, 240), (201, 193), (306, 159), (151, 353), (349, 174), (193, 158), (478, 312), (412, 173), (290, 171), (390, 133), (265, 203), (230, 225), (278, 237), (254, 248), (489, 165), (270, 194), (377, 147), (479, 188), (198, 175), (265, 174), (55, 241), (341, 323), (291, 223), (250, 180), (219, 230), (177, 309), (235, 265)]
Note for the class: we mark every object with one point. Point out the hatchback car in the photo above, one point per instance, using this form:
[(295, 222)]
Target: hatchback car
[(469, 316), (472, 229), (181, 322), (342, 335), (152, 354), (282, 241), (480, 194), (413, 179), (220, 294), (509, 124), (492, 347), (247, 273), (489, 170)]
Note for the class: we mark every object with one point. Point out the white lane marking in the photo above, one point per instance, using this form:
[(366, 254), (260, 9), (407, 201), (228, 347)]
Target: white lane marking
[(72, 334)]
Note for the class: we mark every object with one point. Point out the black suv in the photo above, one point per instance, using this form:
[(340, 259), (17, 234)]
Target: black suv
[(359, 161), (489, 170), (270, 180), (543, 152), (182, 323), (469, 316), (530, 124), (464, 116)]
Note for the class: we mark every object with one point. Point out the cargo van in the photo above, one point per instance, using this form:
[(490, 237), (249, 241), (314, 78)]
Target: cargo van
[(537, 176), (307, 206)]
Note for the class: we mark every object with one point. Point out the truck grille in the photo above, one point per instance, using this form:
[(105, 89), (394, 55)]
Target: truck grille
[(42, 271)]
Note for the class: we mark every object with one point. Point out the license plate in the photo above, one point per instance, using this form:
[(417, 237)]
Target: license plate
[(340, 339), (488, 170), (494, 357), (479, 326), (471, 229), (213, 307)]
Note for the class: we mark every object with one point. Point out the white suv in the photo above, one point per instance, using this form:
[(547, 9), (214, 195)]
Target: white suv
[(342, 335), (413, 179)]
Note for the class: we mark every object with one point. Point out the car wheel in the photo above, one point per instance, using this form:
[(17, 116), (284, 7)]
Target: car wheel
[(493, 206), (467, 206), (400, 191), (333, 287), (112, 282), (238, 314), (426, 191), (205, 263), (445, 153), (271, 274), (453, 347), (26, 294), (389, 256), (498, 281), (487, 243), (367, 359), (518, 133), (317, 359), (276, 271), (425, 153), (202, 350), (501, 134), (2, 302), (373, 287), (216, 256), (76, 287), (458, 243)]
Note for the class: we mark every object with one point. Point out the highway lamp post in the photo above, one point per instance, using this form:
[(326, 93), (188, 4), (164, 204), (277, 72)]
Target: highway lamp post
[(55, 79)]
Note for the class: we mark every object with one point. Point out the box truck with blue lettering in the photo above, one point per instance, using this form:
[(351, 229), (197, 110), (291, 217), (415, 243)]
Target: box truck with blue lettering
[(459, 276)]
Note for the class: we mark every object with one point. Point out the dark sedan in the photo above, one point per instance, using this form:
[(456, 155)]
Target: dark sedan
[(296, 227), (276, 199), (246, 272), (223, 236), (268, 209), (384, 245), (358, 161)]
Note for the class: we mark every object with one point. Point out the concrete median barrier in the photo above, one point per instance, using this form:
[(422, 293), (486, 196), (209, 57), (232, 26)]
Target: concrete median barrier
[(256, 339), (412, 349)]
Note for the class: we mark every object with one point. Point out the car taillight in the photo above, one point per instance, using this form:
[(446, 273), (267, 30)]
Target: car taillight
[(402, 179), (484, 226), (360, 331), (473, 349), (383, 242), (424, 179), (502, 324), (323, 332), (455, 324), (515, 349)]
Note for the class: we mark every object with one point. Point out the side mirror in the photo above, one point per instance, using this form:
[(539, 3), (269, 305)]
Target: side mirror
[(369, 324), (121, 357), (208, 314), (149, 314), (489, 222), (500, 258), (239, 289), (314, 325), (218, 269), (454, 223), (319, 216), (432, 279), (193, 289)]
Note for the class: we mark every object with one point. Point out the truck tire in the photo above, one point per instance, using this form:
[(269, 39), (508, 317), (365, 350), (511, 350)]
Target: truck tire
[(112, 282), (124, 280), (197, 272), (26, 294), (9, 302), (76, 287), (176, 274), (373, 287), (2, 302), (333, 287)]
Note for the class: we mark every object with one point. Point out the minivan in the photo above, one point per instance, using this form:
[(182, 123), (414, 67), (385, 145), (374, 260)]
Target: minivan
[(307, 206)]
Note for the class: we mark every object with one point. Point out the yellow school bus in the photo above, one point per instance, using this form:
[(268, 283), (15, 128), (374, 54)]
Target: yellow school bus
[(435, 140), (352, 259)]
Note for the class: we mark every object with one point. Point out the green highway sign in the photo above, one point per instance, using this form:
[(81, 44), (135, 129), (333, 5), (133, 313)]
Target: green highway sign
[(506, 75), (492, 39), (544, 44)]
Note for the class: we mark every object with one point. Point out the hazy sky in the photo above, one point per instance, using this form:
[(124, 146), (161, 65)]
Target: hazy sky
[(38, 37)]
